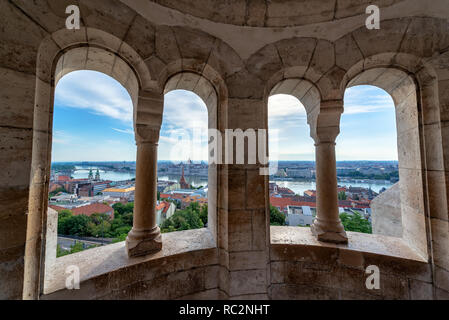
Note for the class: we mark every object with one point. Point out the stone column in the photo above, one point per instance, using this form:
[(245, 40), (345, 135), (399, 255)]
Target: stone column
[(243, 231), (145, 236), (327, 226)]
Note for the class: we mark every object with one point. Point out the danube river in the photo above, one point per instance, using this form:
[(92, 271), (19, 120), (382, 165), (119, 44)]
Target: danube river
[(83, 173), (298, 186)]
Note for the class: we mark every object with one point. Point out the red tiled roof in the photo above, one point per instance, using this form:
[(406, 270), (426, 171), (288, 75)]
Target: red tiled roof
[(92, 208), (310, 193), (164, 206), (57, 208), (195, 198), (284, 202), (173, 196), (285, 190)]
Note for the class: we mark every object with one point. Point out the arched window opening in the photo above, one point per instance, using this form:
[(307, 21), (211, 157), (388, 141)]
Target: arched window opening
[(367, 163), (91, 190), (183, 185), (292, 156), (398, 211)]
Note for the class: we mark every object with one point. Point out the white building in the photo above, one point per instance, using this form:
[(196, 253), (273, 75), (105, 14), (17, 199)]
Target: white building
[(164, 210), (299, 216)]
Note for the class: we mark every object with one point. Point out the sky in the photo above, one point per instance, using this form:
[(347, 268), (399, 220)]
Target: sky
[(93, 122)]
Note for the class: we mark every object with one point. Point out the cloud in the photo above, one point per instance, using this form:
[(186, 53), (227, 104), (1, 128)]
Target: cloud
[(358, 109), (282, 105), (96, 92), (61, 137), (184, 109), (285, 111), (127, 131), (366, 99), (168, 139)]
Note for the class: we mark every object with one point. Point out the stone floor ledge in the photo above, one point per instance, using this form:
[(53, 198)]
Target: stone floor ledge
[(359, 242), (102, 260)]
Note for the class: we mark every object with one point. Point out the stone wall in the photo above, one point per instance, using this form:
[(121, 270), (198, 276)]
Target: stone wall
[(143, 47), (386, 213), (314, 271)]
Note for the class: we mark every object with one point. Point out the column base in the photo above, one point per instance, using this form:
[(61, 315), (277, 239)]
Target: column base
[(336, 234), (141, 243)]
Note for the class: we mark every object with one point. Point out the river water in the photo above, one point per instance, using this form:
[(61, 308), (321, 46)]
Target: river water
[(298, 186), (83, 173)]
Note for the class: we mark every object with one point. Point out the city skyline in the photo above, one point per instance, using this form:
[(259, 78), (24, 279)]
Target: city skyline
[(91, 104)]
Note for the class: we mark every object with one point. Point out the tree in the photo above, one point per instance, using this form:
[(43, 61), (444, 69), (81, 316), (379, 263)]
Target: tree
[(77, 247), (277, 218), (57, 191), (99, 225), (63, 217), (204, 214), (74, 225), (127, 219), (186, 219), (119, 208), (355, 222), (342, 196), (61, 252), (120, 238)]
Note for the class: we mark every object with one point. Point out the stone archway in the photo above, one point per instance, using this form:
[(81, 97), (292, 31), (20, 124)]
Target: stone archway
[(53, 63), (205, 90), (402, 88)]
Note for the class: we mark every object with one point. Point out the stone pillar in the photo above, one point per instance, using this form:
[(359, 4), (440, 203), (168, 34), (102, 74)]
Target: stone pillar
[(327, 226), (145, 236), (243, 229)]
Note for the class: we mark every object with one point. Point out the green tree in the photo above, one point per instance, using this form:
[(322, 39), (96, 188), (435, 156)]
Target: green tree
[(119, 209), (77, 247), (186, 219), (74, 225), (99, 225), (61, 252), (204, 214), (55, 192), (355, 222), (127, 219), (124, 230), (277, 218), (63, 217), (342, 196), (120, 238)]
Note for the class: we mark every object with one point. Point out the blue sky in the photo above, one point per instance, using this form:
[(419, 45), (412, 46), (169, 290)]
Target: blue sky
[(93, 122)]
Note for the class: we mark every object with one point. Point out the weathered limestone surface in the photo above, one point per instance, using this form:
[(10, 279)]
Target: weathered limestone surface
[(386, 213), (234, 55)]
